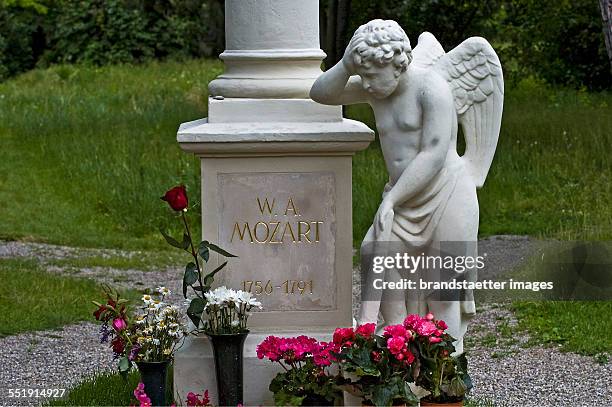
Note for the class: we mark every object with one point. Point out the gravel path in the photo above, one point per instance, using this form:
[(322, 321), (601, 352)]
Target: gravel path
[(503, 371), (508, 374), (54, 359)]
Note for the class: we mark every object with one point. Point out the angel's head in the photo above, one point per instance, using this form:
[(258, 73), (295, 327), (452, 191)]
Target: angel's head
[(381, 52)]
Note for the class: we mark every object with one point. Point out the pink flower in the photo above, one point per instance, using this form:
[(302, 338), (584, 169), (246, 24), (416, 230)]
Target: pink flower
[(119, 324), (366, 330), (409, 357), (269, 348), (442, 325), (395, 330), (343, 335), (396, 344), (141, 396), (429, 316), (376, 356), (323, 355), (434, 339), (194, 399), (412, 321), (426, 328)]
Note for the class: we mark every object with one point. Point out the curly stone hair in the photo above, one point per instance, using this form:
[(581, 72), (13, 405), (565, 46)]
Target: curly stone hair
[(381, 42)]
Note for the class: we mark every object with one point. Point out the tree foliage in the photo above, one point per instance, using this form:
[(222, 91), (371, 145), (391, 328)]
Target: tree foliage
[(559, 41), (105, 31)]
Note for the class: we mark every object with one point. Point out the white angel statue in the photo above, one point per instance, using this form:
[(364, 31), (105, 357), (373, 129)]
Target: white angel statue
[(419, 98)]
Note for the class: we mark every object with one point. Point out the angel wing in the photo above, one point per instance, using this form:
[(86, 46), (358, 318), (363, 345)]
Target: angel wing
[(475, 77)]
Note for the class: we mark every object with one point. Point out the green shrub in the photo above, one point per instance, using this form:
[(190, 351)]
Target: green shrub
[(20, 36), (559, 41), (101, 32)]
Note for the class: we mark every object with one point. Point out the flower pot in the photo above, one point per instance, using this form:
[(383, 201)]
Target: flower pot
[(368, 404), (440, 404), (314, 400), (227, 350), (154, 377)]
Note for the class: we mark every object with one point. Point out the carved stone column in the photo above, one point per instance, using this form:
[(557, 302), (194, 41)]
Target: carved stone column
[(276, 186)]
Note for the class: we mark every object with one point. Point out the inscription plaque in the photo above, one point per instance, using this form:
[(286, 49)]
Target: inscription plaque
[(283, 228)]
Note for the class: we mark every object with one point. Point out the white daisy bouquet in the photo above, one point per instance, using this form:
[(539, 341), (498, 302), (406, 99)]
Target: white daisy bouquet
[(227, 310), (157, 328)]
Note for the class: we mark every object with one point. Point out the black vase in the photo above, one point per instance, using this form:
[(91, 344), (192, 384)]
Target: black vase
[(228, 349), (315, 400), (153, 375)]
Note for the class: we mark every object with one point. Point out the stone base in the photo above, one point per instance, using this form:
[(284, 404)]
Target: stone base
[(194, 368)]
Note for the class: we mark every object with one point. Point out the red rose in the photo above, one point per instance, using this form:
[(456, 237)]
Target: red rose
[(177, 198), (118, 345)]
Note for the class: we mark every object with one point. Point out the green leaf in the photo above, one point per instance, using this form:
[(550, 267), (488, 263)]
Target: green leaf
[(171, 241), (191, 274), (383, 395), (282, 398), (216, 249), (194, 312), (210, 277), (186, 241), (124, 364), (204, 252)]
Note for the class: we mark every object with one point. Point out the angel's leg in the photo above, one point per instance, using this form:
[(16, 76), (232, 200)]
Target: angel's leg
[(457, 234)]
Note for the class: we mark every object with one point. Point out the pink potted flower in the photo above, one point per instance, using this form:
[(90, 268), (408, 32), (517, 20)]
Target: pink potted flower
[(442, 375), (305, 379)]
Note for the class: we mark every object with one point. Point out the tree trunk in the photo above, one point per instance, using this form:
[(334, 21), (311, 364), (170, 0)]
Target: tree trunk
[(330, 33), (343, 12), (606, 15)]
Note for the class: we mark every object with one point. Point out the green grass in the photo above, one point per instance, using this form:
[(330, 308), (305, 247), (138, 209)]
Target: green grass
[(105, 389), (87, 152), (580, 327), (108, 389), (32, 299), (151, 260)]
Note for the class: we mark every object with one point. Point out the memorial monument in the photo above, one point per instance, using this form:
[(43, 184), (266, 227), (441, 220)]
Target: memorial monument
[(420, 97), (276, 186)]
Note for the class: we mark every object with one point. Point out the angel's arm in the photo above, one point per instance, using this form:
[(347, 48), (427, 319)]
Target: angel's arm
[(337, 87), (437, 104)]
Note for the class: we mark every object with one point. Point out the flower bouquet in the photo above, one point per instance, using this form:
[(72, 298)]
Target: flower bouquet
[(305, 380), (376, 368), (147, 338), (227, 311), (224, 320), (443, 376)]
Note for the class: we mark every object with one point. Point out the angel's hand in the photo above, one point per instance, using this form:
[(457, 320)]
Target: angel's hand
[(348, 59), (383, 218)]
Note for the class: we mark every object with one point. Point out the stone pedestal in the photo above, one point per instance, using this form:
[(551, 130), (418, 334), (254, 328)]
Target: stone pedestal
[(276, 187)]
